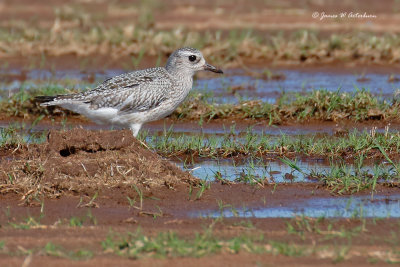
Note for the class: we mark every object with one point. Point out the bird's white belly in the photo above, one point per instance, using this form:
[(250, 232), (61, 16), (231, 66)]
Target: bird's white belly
[(111, 116), (142, 117), (100, 116)]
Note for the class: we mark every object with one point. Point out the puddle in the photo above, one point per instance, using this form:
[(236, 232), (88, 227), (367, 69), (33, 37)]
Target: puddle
[(219, 128), (273, 171), (13, 80), (224, 88), (27, 136), (251, 169), (334, 207), (45, 75), (323, 128), (296, 81)]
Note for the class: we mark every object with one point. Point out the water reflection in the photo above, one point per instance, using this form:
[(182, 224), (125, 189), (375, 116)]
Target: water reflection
[(335, 207)]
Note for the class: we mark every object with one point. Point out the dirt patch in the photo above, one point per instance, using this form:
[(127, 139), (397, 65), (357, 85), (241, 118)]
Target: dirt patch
[(71, 192), (81, 161), (72, 142), (166, 211), (74, 34), (217, 126)]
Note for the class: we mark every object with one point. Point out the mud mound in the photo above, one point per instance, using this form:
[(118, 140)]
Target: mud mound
[(76, 140), (83, 161)]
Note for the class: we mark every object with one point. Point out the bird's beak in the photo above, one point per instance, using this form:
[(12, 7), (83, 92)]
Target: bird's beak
[(212, 68)]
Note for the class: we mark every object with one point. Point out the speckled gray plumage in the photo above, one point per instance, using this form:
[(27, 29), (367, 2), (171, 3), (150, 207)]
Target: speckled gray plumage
[(134, 98), (148, 89)]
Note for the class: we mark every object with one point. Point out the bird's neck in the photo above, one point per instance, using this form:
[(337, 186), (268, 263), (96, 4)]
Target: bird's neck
[(186, 81), (183, 83), (183, 73), (183, 86), (183, 76)]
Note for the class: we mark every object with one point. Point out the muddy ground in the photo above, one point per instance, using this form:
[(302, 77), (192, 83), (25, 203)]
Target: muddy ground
[(91, 174), (79, 186), (265, 18), (215, 126)]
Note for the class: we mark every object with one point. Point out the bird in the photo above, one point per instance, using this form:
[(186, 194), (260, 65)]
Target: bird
[(129, 100)]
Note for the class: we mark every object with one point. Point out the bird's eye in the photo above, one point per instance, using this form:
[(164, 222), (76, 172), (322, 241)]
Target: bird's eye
[(192, 58)]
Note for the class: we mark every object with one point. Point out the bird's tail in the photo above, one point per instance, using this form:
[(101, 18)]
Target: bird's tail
[(45, 100)]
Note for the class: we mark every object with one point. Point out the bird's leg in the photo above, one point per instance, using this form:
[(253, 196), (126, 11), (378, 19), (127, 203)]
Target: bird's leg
[(135, 128)]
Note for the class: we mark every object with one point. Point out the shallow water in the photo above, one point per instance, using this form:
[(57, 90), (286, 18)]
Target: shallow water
[(324, 128), (270, 171), (220, 128), (340, 207), (250, 87), (250, 169), (299, 82)]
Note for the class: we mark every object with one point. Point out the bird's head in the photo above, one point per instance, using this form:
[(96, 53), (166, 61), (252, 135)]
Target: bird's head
[(188, 60)]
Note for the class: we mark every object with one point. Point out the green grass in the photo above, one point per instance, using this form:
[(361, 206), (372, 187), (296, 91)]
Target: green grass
[(22, 104), (252, 151), (304, 227), (322, 104), (314, 235), (353, 145), (76, 221), (30, 222), (342, 179), (17, 134), (80, 221), (51, 249), (136, 245), (170, 245)]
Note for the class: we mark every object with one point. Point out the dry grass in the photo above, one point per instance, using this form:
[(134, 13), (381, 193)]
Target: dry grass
[(84, 161), (120, 30), (120, 42)]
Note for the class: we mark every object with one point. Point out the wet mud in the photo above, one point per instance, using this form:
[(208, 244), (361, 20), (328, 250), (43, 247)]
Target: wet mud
[(82, 160), (171, 209), (217, 126), (92, 175), (111, 183)]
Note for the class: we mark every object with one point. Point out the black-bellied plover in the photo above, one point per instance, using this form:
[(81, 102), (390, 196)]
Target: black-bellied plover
[(132, 99)]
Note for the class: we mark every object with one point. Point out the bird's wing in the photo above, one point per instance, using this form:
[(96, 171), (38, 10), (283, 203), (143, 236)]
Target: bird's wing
[(132, 92)]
